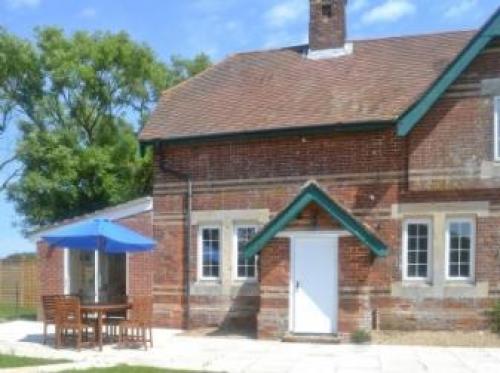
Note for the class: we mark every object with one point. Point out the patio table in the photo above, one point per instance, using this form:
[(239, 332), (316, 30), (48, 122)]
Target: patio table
[(100, 309)]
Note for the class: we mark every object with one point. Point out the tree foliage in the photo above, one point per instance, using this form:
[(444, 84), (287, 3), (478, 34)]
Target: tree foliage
[(78, 102)]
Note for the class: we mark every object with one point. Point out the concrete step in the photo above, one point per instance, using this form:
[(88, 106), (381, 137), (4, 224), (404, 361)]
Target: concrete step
[(312, 338)]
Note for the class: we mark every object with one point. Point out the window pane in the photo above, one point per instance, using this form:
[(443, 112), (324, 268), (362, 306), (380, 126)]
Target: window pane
[(422, 257), (459, 249), (417, 249), (215, 234), (241, 271), (412, 257), (206, 234), (412, 271), (454, 230), (215, 245), (206, 271), (215, 271), (214, 258), (422, 230), (453, 256), (464, 256), (464, 270), (464, 242), (412, 230), (465, 230), (422, 270), (245, 267), (454, 270), (210, 252), (251, 271)]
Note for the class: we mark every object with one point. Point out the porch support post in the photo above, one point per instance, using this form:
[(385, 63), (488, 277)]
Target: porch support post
[(66, 273), (96, 276)]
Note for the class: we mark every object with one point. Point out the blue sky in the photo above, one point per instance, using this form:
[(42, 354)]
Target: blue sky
[(219, 28)]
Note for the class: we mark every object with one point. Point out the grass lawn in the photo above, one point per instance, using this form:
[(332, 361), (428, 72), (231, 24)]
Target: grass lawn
[(9, 312), (130, 369), (12, 361)]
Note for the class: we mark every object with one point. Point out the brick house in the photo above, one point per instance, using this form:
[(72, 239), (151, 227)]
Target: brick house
[(332, 186)]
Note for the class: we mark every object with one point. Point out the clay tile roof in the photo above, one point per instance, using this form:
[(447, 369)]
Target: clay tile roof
[(281, 88)]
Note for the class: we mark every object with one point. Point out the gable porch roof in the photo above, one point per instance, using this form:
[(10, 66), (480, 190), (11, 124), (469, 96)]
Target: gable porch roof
[(312, 193)]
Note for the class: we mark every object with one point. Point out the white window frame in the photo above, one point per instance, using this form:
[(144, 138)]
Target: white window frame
[(472, 223), (406, 223), (200, 252), (235, 254), (496, 127)]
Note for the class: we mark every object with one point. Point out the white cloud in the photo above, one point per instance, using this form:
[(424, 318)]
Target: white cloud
[(88, 13), (286, 12), (460, 8), (389, 11), (357, 5), (23, 3)]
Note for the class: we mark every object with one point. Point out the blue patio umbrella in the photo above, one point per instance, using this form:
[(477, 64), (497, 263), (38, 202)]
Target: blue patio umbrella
[(99, 234)]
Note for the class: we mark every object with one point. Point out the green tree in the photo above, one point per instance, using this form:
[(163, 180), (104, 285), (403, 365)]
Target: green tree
[(78, 102)]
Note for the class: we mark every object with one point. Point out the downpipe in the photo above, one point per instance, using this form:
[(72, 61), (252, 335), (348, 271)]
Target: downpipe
[(188, 213)]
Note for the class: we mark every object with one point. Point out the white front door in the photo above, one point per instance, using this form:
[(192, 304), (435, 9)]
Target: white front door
[(314, 284)]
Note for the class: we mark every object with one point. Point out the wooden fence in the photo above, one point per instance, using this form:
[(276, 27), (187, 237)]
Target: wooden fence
[(19, 282)]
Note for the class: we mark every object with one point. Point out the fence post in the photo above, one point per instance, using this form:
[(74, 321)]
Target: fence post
[(17, 300)]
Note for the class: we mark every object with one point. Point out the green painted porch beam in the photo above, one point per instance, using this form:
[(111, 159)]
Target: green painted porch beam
[(312, 193)]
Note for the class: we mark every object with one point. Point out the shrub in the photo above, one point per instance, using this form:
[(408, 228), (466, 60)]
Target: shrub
[(494, 315), (361, 336)]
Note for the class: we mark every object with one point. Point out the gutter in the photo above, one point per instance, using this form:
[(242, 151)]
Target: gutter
[(331, 128), (188, 212)]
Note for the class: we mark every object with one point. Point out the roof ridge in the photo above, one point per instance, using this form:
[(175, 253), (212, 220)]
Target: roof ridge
[(298, 47)]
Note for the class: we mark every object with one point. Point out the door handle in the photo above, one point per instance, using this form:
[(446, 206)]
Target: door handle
[(297, 285)]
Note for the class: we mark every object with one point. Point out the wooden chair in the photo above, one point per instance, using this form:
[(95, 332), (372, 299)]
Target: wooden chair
[(49, 312), (68, 318), (113, 319), (140, 323)]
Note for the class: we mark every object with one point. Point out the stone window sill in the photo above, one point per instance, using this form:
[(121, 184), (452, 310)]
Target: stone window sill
[(448, 289), (242, 281), (208, 282), (459, 284), (416, 284)]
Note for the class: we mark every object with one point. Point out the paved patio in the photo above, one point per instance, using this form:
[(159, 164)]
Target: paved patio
[(222, 354)]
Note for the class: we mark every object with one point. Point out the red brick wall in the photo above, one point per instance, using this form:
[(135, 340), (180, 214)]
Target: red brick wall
[(336, 153), (449, 146), (140, 265), (272, 320), (51, 269)]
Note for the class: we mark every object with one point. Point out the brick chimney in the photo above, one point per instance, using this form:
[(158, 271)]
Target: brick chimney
[(327, 24)]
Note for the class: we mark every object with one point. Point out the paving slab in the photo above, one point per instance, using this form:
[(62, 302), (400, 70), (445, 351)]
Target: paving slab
[(174, 349)]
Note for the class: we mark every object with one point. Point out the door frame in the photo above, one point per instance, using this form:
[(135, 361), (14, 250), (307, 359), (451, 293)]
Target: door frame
[(293, 235), (67, 273)]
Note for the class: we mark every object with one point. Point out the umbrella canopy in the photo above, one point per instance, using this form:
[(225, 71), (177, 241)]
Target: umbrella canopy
[(99, 234)]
